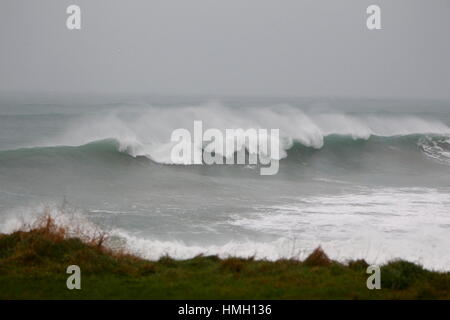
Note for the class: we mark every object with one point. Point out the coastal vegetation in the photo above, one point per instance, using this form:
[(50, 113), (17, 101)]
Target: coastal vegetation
[(33, 265)]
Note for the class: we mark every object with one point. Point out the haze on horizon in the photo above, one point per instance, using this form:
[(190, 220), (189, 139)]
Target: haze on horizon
[(232, 47)]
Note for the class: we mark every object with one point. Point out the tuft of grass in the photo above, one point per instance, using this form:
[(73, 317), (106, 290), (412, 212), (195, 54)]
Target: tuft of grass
[(317, 258)]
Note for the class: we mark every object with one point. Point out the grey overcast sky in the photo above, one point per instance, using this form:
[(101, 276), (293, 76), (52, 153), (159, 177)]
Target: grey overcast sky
[(238, 47)]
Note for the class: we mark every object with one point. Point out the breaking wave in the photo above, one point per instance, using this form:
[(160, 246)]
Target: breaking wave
[(147, 132)]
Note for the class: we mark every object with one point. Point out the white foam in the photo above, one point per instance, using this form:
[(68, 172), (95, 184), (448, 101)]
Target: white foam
[(408, 223), (153, 249)]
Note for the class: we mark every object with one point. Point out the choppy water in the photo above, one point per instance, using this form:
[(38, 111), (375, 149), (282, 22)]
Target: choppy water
[(363, 179)]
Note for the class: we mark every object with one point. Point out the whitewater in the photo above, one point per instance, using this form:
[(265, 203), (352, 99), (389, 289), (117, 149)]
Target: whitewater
[(361, 178)]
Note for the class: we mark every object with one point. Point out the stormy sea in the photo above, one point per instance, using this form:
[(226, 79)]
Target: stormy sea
[(361, 178)]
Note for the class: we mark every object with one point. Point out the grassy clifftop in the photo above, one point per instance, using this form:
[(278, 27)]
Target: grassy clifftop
[(33, 266)]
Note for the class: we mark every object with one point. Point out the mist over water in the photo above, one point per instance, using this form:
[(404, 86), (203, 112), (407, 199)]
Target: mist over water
[(362, 178)]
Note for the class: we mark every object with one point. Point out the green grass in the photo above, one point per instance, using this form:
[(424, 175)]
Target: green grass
[(33, 266)]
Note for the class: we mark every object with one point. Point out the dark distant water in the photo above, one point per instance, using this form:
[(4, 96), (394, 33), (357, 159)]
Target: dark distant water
[(362, 178)]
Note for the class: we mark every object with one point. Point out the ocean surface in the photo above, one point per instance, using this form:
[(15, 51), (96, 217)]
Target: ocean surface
[(362, 178)]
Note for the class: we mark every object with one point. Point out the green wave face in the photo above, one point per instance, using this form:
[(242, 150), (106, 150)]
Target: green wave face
[(338, 151)]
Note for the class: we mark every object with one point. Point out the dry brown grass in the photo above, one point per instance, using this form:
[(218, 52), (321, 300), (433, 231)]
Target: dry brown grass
[(46, 224), (317, 258), (44, 240)]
